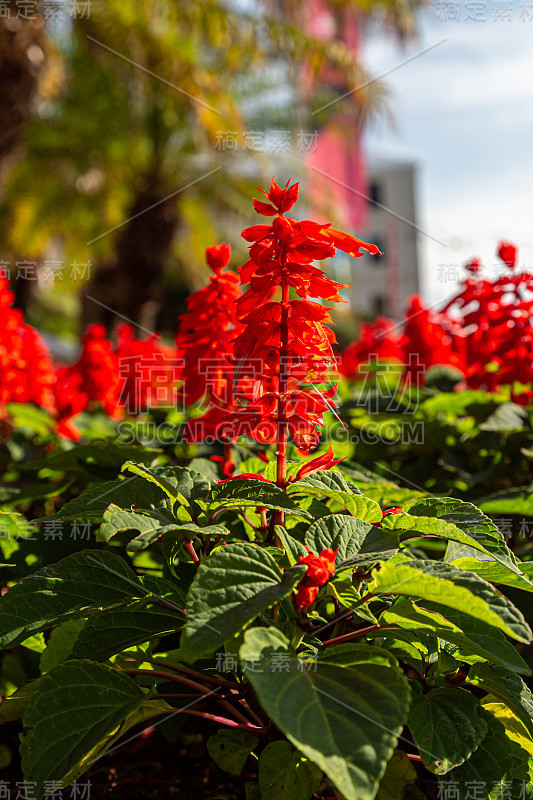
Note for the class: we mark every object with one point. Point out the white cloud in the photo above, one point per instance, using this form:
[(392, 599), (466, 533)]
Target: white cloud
[(464, 113)]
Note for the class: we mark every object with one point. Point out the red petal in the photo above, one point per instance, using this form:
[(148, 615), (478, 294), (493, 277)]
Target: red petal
[(325, 461), (256, 232), (266, 209)]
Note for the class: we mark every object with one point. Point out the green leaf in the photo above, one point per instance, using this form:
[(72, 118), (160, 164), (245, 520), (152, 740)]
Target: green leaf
[(14, 527), (456, 520), (493, 763), (285, 774), (232, 586), (294, 550), (453, 588), (27, 417), (358, 542), (346, 717), (230, 749), (495, 572), (79, 583), (328, 480), (78, 710), (471, 635), (60, 644), (127, 493), (333, 486), (246, 493), (115, 520), (399, 774), (514, 728), (109, 632), (159, 478), (512, 501), (508, 688), (13, 707), (447, 727)]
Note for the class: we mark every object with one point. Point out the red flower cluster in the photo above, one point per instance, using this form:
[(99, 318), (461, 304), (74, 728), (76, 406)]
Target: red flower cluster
[(205, 343), (284, 351), (379, 341), (26, 372), (486, 331), (134, 376), (429, 338), (319, 570), (496, 318)]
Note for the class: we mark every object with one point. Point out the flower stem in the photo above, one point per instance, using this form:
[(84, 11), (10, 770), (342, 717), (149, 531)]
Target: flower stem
[(192, 552), (347, 637), (281, 448)]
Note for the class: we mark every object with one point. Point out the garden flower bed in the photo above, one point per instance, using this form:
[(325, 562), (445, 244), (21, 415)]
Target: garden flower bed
[(185, 556)]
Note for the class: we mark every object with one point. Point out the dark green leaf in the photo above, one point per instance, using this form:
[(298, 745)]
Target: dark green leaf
[(74, 715), (232, 586), (345, 716), (447, 727), (471, 635), (357, 540), (77, 584), (508, 688), (452, 518), (230, 749), (285, 774), (246, 493), (453, 588)]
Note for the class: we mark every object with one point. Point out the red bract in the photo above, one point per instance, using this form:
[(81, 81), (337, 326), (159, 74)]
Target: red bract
[(205, 343), (473, 266), (430, 338), (379, 342), (319, 570), (486, 331), (283, 354), (496, 320), (508, 253), (134, 376), (26, 373), (147, 372)]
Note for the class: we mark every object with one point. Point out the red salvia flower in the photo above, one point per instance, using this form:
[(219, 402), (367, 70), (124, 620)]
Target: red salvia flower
[(205, 344), (473, 266), (430, 338), (319, 570), (26, 372), (147, 372), (508, 253), (284, 352), (379, 342)]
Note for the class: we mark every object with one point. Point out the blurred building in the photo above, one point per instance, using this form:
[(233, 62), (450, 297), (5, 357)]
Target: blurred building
[(382, 284), (373, 199)]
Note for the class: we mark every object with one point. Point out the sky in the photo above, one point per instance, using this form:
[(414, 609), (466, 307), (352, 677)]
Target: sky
[(464, 115)]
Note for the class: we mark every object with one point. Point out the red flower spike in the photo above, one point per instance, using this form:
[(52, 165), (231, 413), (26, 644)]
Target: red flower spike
[(284, 346), (205, 343), (473, 266), (319, 570), (218, 256), (508, 253)]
